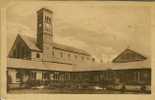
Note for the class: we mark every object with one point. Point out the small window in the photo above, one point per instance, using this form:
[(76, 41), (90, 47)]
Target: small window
[(38, 55), (49, 20), (87, 58), (52, 53), (69, 55), (61, 54), (75, 56), (82, 58), (93, 59)]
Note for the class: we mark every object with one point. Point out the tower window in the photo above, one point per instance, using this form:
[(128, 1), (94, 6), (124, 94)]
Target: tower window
[(48, 19), (38, 55), (45, 18)]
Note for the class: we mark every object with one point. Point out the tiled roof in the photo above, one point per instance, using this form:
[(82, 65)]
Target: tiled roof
[(39, 65), (30, 41)]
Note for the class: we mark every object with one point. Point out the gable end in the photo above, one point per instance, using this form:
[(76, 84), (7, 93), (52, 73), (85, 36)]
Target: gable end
[(128, 56), (20, 49)]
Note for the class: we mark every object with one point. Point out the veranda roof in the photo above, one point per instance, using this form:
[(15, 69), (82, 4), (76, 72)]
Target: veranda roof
[(39, 65)]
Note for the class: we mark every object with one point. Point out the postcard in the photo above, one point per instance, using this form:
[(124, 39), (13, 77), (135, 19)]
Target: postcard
[(73, 48)]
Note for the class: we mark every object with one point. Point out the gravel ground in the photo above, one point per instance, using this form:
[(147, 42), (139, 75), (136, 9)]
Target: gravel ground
[(68, 91)]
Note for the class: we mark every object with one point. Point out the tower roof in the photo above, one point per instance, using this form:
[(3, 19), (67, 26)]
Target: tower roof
[(44, 9)]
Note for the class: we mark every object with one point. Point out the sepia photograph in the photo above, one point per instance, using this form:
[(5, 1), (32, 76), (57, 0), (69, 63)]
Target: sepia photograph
[(78, 48)]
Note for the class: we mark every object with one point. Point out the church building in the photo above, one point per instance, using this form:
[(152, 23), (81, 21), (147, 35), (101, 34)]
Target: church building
[(43, 48), (34, 58), (40, 61)]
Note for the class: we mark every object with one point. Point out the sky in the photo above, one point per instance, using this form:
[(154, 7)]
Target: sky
[(102, 30)]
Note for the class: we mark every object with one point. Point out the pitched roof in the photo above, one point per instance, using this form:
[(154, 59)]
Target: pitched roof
[(39, 65), (128, 55), (31, 43), (69, 48)]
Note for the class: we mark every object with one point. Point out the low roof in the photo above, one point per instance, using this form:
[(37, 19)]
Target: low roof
[(38, 65), (130, 65), (31, 43)]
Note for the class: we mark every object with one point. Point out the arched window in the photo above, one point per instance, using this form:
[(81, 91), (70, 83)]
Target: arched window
[(47, 19)]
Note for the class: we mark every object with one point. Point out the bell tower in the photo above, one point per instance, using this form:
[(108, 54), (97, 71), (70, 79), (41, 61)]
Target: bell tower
[(45, 32)]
